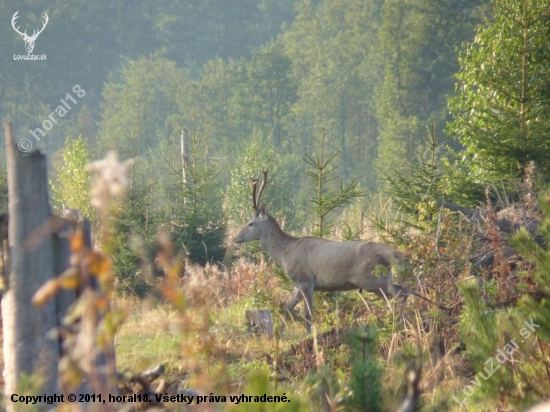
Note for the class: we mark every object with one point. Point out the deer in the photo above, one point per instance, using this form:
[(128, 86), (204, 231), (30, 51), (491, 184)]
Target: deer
[(314, 263), (29, 40)]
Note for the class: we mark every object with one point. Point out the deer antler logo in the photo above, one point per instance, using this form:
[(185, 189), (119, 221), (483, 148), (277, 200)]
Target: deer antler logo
[(29, 40)]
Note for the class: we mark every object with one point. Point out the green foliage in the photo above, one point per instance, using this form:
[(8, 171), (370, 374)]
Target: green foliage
[(196, 214), (417, 48), (141, 105), (195, 32), (348, 233), (30, 385), (189, 33), (372, 74), (331, 45), (366, 371), (221, 101), (336, 65), (362, 389), (501, 113), (272, 91), (461, 185), (516, 338), (71, 186), (415, 188), (327, 199), (539, 255), (242, 100), (279, 194), (329, 389), (134, 230), (510, 358)]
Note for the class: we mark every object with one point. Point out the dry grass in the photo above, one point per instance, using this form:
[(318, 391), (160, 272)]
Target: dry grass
[(153, 334)]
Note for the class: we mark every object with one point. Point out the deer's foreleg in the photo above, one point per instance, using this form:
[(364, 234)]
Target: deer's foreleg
[(294, 300), (298, 293)]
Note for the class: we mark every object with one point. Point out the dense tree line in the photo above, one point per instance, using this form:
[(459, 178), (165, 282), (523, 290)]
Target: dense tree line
[(261, 85), (371, 73)]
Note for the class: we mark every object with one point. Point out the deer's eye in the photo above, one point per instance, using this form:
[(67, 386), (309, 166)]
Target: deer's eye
[(251, 224)]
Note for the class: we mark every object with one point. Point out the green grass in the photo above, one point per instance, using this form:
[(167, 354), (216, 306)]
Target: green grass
[(146, 350), (149, 337), (152, 334)]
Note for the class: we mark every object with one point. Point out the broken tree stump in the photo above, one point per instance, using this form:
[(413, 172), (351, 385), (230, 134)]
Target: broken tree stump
[(259, 322)]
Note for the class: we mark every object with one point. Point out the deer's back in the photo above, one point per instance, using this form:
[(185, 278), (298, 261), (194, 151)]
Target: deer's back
[(329, 260)]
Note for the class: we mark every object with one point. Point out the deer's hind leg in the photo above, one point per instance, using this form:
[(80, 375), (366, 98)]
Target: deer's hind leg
[(308, 294)]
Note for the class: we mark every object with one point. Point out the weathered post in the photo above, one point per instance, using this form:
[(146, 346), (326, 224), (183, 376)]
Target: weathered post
[(27, 349)]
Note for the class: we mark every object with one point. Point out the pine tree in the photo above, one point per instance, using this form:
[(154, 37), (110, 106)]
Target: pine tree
[(502, 111)]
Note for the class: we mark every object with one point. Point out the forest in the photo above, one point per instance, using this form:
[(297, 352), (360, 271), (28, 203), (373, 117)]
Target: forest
[(423, 125)]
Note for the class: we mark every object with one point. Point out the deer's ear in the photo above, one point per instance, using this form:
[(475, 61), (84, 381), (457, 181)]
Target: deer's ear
[(263, 210)]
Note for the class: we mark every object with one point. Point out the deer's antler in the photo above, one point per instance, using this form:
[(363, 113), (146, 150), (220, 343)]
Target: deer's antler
[(256, 199), (262, 187), (254, 187)]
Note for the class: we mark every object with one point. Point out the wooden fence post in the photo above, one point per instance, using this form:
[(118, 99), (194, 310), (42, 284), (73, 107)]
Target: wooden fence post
[(27, 349)]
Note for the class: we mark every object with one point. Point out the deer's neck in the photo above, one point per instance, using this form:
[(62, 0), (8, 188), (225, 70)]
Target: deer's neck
[(277, 243)]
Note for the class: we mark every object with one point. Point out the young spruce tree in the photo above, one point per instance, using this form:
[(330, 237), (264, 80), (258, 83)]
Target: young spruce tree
[(197, 220), (327, 197), (134, 232), (502, 109), (510, 348)]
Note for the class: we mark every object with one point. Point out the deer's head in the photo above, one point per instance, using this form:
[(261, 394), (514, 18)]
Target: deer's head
[(29, 40), (261, 220)]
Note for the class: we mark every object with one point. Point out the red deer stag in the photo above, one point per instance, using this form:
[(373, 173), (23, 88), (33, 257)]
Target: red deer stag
[(313, 263)]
